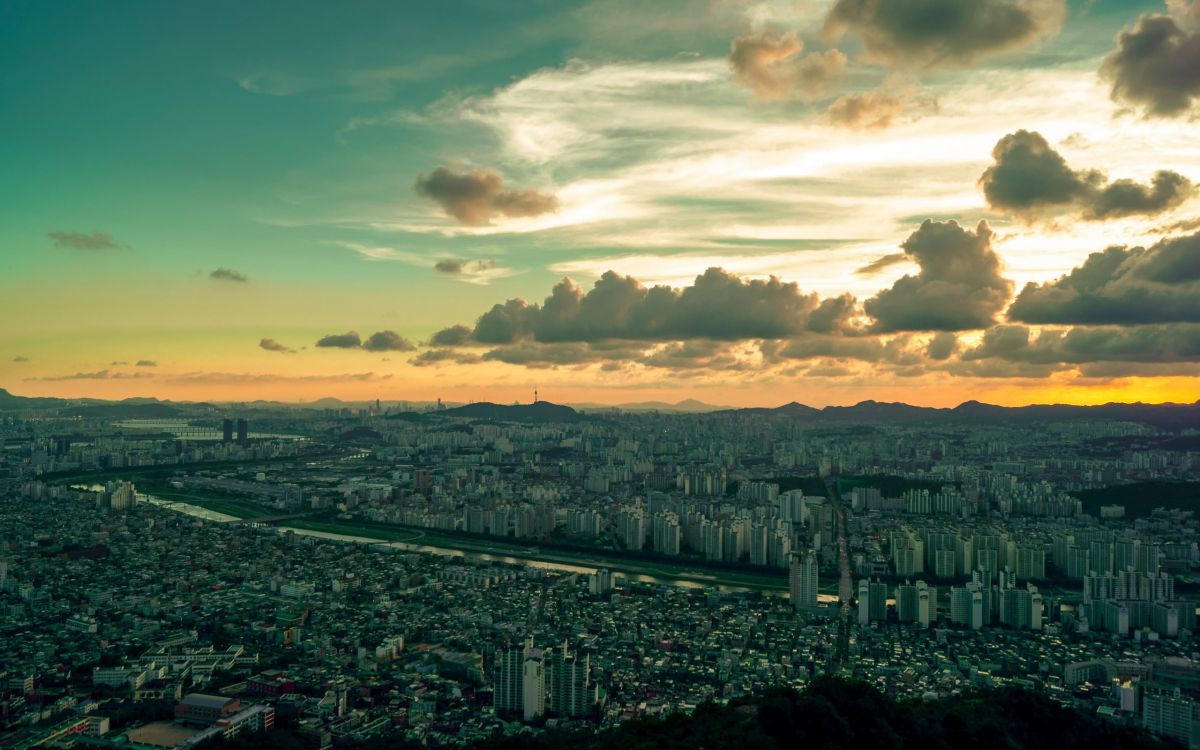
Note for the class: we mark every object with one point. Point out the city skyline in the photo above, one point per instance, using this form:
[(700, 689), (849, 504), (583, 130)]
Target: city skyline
[(742, 203)]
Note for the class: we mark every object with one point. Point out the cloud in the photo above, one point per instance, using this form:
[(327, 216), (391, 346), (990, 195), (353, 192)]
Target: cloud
[(1029, 179), (81, 241), (477, 271), (1156, 65), (20, 358), (348, 340), (474, 197), (959, 286), (456, 335), (97, 375), (388, 341), (881, 263), (146, 363), (227, 274), (272, 345), (772, 68), (935, 33), (717, 305), (872, 110), (239, 378), (432, 357), (942, 346), (1083, 344), (1122, 286)]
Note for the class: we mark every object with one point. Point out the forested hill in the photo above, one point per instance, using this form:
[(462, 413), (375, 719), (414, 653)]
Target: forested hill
[(832, 714)]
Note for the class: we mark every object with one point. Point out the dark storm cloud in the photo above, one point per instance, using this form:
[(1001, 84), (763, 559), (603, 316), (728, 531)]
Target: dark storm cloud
[(85, 241), (1156, 66), (348, 340), (475, 197), (718, 305), (773, 68), (272, 345), (1030, 179), (1121, 286), (388, 341), (959, 286), (881, 263), (227, 274), (931, 33)]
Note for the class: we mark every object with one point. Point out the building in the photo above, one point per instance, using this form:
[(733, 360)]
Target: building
[(507, 686), (803, 580), (533, 688), (571, 691), (205, 710), (1168, 712)]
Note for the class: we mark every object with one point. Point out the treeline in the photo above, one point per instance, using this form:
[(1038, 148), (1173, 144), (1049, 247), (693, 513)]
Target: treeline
[(831, 714)]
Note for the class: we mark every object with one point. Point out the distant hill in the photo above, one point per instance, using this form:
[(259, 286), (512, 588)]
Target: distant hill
[(687, 406), (9, 402), (542, 411), (1164, 416), (123, 410)]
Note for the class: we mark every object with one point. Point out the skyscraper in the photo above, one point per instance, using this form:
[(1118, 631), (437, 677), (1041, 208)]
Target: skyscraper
[(243, 431), (803, 580), (227, 431), (533, 688)]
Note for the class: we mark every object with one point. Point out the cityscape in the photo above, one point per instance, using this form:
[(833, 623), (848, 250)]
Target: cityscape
[(600, 375), (452, 574)]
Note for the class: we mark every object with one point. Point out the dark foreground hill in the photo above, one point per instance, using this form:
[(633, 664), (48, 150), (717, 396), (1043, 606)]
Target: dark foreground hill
[(831, 714)]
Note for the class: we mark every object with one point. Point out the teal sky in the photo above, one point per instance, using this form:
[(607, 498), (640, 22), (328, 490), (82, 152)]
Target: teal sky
[(284, 140)]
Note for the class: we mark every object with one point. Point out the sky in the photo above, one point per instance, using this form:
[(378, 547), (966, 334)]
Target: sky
[(741, 202)]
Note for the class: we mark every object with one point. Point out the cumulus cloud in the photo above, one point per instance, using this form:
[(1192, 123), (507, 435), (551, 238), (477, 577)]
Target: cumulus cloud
[(1156, 65), (718, 305), (456, 335), (474, 197), (85, 241), (773, 68), (146, 363), (932, 33), (881, 263), (272, 345), (959, 286), (942, 346), (227, 274), (1121, 285), (388, 341), (1029, 179), (348, 340)]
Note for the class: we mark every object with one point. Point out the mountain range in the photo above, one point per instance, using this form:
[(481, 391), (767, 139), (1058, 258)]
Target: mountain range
[(1169, 416)]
